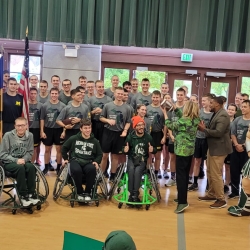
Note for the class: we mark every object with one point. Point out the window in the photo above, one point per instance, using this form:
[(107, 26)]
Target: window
[(156, 78), (180, 83), (16, 66), (220, 89), (245, 85), (123, 75)]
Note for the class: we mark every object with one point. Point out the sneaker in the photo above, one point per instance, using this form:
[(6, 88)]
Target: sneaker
[(193, 187), (190, 180), (87, 197), (51, 167), (206, 198), (33, 199), (181, 207), (25, 202), (159, 176), (45, 170), (245, 213), (218, 204), (170, 183), (233, 196), (165, 175), (226, 189), (106, 175), (235, 210), (39, 163), (81, 197)]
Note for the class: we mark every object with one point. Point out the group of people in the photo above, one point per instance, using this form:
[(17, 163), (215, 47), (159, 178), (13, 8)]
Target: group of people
[(90, 125)]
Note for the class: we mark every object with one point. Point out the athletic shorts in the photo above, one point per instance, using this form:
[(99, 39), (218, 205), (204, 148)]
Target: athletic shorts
[(171, 148), (157, 136), (112, 142), (97, 130), (201, 147), (227, 159), (69, 133), (53, 136), (36, 136)]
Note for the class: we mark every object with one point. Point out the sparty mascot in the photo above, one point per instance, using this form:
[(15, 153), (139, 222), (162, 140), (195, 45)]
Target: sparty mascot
[(243, 207)]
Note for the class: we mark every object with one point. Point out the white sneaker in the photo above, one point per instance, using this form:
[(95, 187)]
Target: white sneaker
[(80, 197), (87, 198), (25, 202), (34, 200), (171, 183)]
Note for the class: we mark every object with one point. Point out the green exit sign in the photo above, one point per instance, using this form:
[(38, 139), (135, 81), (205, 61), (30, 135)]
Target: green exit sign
[(185, 57)]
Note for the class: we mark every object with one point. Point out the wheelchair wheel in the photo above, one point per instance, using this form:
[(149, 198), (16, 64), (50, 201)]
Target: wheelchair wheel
[(60, 182), (97, 203), (117, 180), (102, 183), (72, 203), (38, 207), (42, 187), (120, 205), (154, 184), (13, 211), (2, 178), (147, 207)]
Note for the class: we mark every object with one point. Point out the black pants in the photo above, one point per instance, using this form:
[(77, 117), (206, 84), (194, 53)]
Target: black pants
[(77, 171), (25, 177), (237, 161), (134, 177), (183, 165)]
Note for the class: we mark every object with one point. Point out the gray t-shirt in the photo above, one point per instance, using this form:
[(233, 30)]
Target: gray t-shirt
[(141, 99), (173, 117), (156, 116), (64, 98), (130, 96), (34, 115), (121, 114), (50, 112), (109, 93), (43, 99), (70, 111), (206, 117), (96, 102), (239, 128)]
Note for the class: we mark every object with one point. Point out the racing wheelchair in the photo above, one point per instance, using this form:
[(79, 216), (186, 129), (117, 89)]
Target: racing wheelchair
[(8, 187), (65, 187), (148, 185)]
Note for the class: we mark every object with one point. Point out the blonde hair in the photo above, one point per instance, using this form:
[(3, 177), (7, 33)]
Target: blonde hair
[(191, 110)]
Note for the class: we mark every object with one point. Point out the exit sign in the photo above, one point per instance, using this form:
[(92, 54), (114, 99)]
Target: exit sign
[(185, 57)]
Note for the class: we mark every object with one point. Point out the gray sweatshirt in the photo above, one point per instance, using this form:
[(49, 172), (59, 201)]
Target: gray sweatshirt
[(13, 147)]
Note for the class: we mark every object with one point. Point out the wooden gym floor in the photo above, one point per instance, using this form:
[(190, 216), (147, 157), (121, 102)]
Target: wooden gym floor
[(199, 227)]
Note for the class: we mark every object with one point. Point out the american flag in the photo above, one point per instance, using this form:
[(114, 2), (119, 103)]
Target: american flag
[(24, 82)]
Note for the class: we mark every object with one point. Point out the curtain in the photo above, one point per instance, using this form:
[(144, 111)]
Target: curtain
[(215, 25)]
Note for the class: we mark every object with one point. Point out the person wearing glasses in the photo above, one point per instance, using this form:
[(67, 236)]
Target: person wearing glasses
[(65, 95), (16, 151)]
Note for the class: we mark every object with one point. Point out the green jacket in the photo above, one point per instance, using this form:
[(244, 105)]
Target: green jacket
[(185, 129), (139, 145), (84, 150)]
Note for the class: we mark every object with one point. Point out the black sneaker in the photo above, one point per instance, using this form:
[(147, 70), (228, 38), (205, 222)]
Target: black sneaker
[(226, 189), (193, 187), (106, 175), (165, 175), (159, 176), (45, 170), (111, 179), (130, 199), (233, 196)]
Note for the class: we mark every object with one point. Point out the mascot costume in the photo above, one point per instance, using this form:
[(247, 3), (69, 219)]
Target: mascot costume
[(243, 207)]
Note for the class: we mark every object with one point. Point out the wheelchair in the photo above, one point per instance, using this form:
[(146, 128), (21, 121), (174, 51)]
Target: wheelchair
[(148, 185), (64, 179), (42, 190)]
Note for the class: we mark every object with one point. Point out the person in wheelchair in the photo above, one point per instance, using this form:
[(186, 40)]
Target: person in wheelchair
[(16, 151), (84, 153), (138, 145)]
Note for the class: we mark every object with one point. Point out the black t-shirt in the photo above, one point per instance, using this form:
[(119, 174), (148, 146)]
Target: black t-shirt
[(12, 107)]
